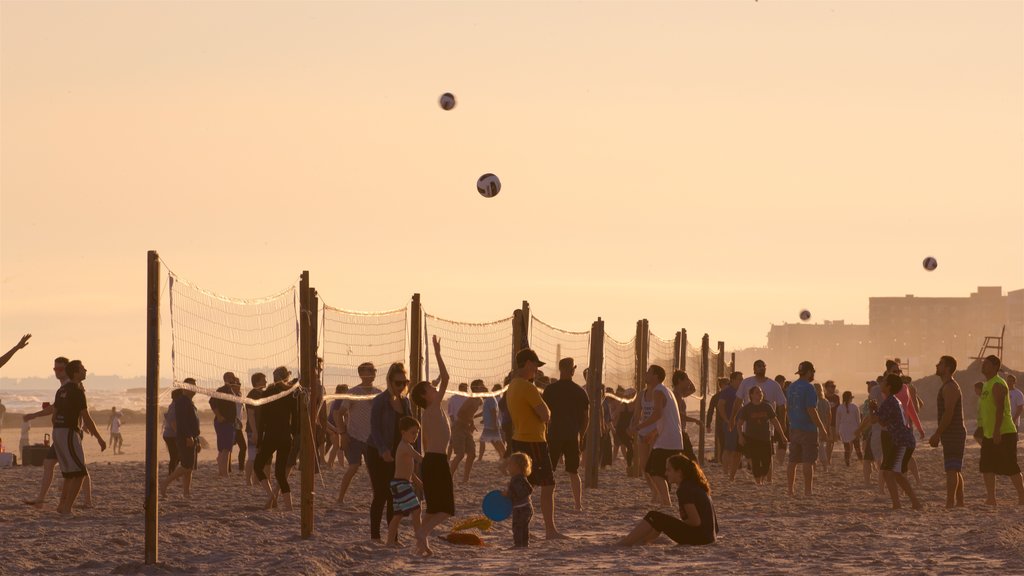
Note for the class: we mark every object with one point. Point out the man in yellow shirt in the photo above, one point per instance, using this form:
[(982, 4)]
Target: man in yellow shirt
[(999, 445), (530, 417)]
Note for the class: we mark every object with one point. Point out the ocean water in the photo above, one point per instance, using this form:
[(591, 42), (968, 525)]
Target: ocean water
[(100, 400)]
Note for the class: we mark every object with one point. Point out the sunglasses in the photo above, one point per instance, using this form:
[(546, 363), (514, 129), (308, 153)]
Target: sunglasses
[(401, 382)]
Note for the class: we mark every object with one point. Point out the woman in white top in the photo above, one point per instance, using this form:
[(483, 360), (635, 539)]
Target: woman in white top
[(847, 423)]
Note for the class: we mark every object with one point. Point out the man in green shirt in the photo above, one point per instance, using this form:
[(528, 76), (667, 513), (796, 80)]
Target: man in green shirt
[(999, 443)]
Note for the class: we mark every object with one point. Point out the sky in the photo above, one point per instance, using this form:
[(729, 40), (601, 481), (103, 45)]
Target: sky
[(714, 166)]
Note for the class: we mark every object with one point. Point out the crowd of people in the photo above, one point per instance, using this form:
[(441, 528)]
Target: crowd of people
[(412, 438)]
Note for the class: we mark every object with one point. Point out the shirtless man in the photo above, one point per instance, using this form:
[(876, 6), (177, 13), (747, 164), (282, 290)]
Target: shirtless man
[(462, 440), (438, 490)]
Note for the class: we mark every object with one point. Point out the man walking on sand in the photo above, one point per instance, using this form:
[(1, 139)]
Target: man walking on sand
[(530, 416), (69, 408), (951, 431), (804, 426)]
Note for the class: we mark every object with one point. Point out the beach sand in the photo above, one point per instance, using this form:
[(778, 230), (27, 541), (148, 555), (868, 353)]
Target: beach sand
[(844, 528)]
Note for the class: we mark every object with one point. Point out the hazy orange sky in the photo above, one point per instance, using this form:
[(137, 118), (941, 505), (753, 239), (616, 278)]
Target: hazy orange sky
[(716, 166)]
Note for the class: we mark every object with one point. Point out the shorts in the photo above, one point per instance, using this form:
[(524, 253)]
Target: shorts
[(462, 440), (895, 458), (541, 473), (187, 455), (67, 443), (404, 497), (250, 455), (658, 460), (953, 444), (730, 441), (355, 452), (1000, 458), (438, 490), (225, 435), (803, 446), (490, 435), (567, 448)]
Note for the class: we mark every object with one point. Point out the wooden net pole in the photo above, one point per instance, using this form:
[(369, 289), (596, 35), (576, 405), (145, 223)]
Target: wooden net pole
[(705, 352), (595, 390), (152, 500), (306, 362)]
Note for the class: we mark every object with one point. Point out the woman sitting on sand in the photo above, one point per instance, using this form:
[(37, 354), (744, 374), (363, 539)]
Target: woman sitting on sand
[(697, 523)]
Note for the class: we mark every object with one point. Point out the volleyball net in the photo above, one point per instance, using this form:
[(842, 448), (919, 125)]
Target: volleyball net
[(212, 335), (471, 351), (552, 344), (350, 339), (619, 363), (661, 352)]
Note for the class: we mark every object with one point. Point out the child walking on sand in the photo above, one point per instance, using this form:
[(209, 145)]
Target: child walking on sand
[(405, 501), (519, 490)]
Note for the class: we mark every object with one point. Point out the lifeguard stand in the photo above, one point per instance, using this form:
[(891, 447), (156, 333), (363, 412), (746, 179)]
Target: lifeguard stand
[(993, 343)]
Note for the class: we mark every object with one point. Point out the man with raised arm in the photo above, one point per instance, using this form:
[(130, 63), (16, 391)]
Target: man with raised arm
[(10, 353), (438, 490)]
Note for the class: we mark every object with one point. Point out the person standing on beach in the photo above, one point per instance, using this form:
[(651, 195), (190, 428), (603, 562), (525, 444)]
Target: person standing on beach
[(1016, 399), (847, 421), (252, 414), (438, 489), (492, 426), (224, 423), (719, 422), (463, 424), (897, 442), (825, 413), (357, 414), (530, 416), (114, 426), (804, 427), (683, 387), (170, 433), (187, 438), (50, 460), (668, 432), (454, 403), (774, 396), (70, 408), (759, 418), (241, 441), (999, 443), (951, 431), (278, 430), (570, 417), (386, 409), (728, 408), (833, 402)]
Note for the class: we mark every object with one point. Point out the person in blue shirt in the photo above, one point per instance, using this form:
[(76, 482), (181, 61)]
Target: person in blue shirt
[(804, 426)]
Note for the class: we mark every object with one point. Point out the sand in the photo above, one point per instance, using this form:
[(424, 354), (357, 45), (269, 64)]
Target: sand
[(844, 528)]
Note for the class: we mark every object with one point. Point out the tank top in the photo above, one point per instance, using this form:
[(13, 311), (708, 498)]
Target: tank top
[(646, 409), (987, 409), (670, 435), (957, 423)]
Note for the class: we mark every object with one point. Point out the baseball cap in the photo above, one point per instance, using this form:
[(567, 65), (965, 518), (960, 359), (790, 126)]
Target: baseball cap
[(525, 355), (804, 366)]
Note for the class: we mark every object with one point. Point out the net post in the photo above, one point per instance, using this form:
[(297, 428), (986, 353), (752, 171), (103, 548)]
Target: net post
[(676, 355), (152, 501), (721, 359), (682, 351), (526, 324), (416, 344), (732, 362), (306, 362), (517, 334), (640, 361), (704, 360), (595, 390)]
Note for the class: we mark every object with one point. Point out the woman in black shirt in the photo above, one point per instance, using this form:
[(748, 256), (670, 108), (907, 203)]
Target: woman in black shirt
[(697, 523)]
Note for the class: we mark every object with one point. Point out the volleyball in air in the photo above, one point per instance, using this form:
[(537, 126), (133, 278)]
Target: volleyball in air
[(447, 101), (805, 315), (930, 264), (488, 185)]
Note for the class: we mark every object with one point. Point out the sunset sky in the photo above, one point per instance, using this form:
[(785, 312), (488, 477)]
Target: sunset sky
[(717, 166)]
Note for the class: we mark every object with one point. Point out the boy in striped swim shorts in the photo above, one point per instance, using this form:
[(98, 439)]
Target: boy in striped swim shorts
[(406, 503)]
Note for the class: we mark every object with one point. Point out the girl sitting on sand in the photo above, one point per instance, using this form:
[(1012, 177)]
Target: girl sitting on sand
[(697, 523)]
